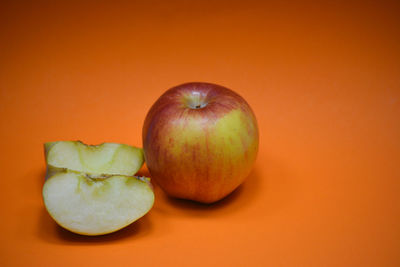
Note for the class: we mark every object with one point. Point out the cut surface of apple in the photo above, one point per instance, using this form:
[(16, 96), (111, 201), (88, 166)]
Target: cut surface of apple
[(91, 190), (88, 205), (107, 158)]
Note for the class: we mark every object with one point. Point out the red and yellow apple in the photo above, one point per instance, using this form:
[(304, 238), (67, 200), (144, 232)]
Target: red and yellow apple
[(200, 141)]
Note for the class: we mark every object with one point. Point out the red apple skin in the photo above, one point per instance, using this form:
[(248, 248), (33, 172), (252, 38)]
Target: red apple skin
[(200, 141)]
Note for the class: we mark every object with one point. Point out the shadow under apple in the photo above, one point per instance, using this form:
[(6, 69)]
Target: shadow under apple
[(234, 202)]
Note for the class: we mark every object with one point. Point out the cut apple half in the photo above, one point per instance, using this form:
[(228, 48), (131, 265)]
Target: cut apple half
[(107, 158), (91, 205), (91, 190)]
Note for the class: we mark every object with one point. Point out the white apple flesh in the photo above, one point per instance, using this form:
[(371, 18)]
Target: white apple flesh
[(107, 158), (91, 206), (91, 190)]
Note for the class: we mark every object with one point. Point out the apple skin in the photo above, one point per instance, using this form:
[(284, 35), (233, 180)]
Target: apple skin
[(200, 141)]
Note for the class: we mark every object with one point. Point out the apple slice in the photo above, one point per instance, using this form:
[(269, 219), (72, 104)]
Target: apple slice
[(91, 190), (107, 158), (96, 205)]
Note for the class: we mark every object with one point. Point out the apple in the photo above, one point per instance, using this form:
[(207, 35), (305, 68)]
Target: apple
[(200, 141), (91, 190), (106, 158)]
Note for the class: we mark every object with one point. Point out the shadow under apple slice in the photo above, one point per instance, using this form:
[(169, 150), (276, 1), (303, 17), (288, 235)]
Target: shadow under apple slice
[(51, 232)]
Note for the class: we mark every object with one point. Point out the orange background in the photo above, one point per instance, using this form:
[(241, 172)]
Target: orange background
[(322, 78)]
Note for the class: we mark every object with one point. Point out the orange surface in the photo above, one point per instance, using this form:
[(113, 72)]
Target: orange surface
[(323, 80)]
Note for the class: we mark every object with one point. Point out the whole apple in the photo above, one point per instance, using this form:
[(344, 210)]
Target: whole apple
[(200, 141)]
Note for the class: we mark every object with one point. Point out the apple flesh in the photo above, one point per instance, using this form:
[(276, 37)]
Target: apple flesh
[(93, 206), (90, 192), (200, 141), (107, 158)]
